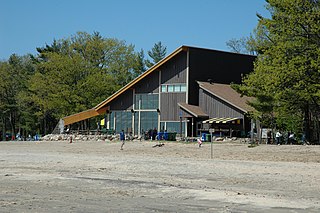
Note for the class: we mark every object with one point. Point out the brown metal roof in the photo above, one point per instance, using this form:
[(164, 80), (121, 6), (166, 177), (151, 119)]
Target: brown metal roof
[(227, 94), (193, 110)]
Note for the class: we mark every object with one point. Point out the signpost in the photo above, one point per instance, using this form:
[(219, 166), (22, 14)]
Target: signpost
[(211, 131)]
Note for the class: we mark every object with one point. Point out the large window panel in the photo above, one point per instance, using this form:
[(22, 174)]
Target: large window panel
[(172, 127), (146, 101), (149, 120), (123, 121)]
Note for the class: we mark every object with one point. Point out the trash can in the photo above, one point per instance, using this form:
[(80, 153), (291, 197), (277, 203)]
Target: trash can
[(208, 137), (160, 136), (172, 136), (165, 136), (203, 137)]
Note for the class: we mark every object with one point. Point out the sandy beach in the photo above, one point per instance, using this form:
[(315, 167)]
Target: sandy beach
[(92, 176)]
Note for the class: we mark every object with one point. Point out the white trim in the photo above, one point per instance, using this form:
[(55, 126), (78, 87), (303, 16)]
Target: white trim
[(108, 120), (159, 100), (187, 77), (139, 118), (133, 107)]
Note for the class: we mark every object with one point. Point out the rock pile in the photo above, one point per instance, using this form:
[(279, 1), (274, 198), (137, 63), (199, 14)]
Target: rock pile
[(79, 137)]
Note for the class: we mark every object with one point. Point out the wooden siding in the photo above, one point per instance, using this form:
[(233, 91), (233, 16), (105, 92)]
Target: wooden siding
[(221, 67), (169, 109), (174, 71), (150, 84), (217, 108), (123, 102)]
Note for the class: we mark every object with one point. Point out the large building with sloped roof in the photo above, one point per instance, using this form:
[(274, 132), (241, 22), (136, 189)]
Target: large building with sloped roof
[(178, 94)]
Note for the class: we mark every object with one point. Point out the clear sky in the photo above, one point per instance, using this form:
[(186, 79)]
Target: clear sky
[(27, 24)]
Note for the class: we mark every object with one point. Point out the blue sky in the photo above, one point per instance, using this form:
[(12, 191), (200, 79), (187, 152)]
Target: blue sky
[(27, 24)]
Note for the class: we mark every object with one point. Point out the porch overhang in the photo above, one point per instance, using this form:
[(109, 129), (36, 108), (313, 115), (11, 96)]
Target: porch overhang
[(193, 110), (223, 121)]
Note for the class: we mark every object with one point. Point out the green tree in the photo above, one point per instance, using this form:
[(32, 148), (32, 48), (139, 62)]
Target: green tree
[(286, 72), (140, 67), (157, 53), (77, 73), (13, 77)]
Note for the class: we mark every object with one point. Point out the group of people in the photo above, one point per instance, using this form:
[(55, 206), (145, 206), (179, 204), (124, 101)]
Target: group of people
[(290, 138)]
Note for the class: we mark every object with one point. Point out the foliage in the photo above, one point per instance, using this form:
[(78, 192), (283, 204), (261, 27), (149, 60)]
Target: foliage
[(13, 77), (286, 72), (241, 45), (157, 53), (66, 77)]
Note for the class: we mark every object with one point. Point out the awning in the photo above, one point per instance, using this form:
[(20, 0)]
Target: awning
[(193, 110), (222, 120)]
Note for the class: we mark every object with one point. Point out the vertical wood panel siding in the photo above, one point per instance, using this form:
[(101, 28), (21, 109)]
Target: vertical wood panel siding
[(215, 107), (123, 102), (221, 67), (150, 84), (169, 106), (174, 71)]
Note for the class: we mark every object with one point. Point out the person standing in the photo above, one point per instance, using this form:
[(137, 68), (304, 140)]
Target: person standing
[(278, 137), (291, 138), (154, 134), (122, 138), (269, 134)]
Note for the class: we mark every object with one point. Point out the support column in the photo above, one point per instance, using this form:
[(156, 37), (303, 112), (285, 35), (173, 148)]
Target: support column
[(192, 126)]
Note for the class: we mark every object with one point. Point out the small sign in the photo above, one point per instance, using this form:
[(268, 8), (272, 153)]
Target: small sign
[(211, 130)]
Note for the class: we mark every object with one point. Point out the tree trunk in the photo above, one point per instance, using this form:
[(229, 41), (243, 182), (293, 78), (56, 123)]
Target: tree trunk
[(3, 129), (306, 123), (12, 124), (45, 124)]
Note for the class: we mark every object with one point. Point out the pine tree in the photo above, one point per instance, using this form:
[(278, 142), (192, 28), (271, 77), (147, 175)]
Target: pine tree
[(287, 70), (157, 53)]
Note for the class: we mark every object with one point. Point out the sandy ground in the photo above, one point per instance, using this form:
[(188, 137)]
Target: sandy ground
[(177, 177)]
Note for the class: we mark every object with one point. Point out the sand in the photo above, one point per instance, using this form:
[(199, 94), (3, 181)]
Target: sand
[(97, 176)]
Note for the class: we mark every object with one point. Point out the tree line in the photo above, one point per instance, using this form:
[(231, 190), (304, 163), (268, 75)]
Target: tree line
[(285, 81), (66, 77)]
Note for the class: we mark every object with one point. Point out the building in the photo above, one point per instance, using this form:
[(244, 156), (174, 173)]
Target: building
[(173, 94)]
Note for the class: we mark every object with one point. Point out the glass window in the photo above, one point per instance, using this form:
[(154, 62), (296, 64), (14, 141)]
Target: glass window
[(170, 88), (148, 101), (111, 119), (175, 127), (183, 88), (173, 88), (163, 88), (172, 127), (148, 120), (176, 88), (123, 121)]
